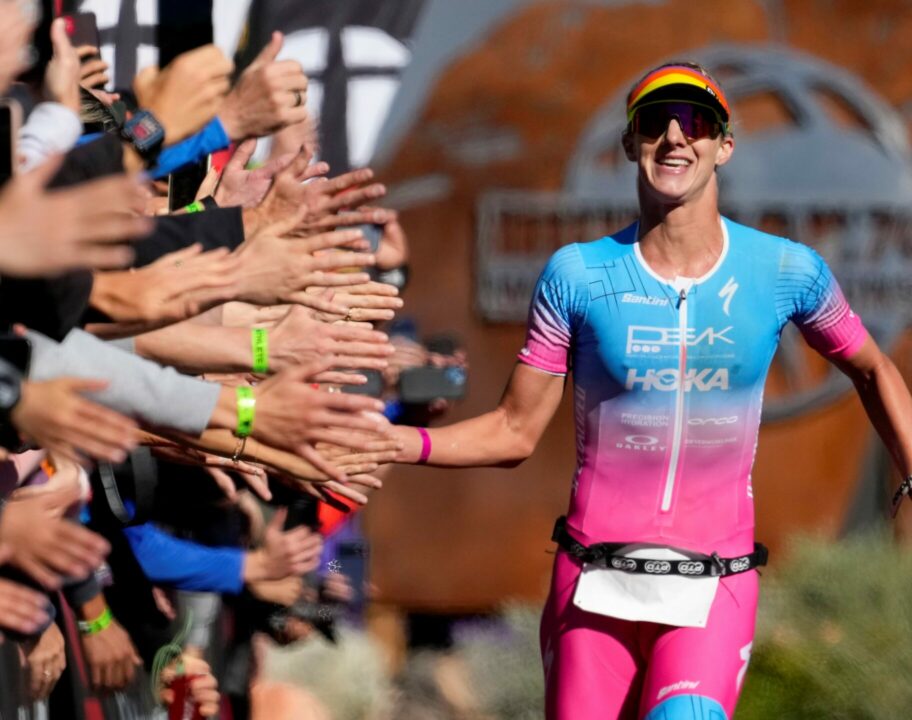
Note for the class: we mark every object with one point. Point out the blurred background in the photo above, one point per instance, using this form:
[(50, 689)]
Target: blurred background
[(496, 126)]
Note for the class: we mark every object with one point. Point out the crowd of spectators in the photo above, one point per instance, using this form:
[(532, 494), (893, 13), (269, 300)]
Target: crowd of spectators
[(187, 407)]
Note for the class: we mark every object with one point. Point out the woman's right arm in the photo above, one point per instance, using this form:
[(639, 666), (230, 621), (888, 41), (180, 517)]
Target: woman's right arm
[(505, 436)]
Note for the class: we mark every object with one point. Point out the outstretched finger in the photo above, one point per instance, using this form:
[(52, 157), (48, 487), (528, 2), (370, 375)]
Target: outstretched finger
[(350, 179), (338, 377), (309, 453), (346, 492), (358, 196), (343, 259)]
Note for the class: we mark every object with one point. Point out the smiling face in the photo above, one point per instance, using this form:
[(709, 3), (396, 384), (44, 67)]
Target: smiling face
[(673, 168)]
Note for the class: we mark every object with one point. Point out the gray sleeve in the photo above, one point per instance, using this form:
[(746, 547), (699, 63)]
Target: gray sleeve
[(137, 387)]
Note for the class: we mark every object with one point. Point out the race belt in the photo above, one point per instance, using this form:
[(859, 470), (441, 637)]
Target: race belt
[(695, 565)]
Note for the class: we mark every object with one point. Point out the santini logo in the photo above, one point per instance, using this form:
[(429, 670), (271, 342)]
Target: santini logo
[(683, 685), (670, 379), (644, 339), (643, 300)]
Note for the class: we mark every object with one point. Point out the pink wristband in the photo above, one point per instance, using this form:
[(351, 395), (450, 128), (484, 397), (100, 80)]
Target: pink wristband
[(425, 445)]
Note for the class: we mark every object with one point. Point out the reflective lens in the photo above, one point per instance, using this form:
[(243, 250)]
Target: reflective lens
[(697, 121)]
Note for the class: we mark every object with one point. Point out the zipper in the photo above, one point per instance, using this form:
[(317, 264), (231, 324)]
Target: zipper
[(678, 426)]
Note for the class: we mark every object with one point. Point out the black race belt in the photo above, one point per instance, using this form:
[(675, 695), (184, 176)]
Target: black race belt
[(695, 565)]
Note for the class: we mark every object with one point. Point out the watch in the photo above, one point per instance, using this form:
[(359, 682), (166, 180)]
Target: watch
[(146, 134)]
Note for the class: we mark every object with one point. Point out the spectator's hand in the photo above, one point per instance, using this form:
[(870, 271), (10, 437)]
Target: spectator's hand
[(46, 659), (363, 302), (203, 687), (293, 415), (217, 467), (300, 138), (93, 71), (188, 93), (338, 588), (175, 287), (46, 545), (278, 270), (299, 338), (300, 191), (329, 491), (111, 657), (54, 415), (281, 592), (393, 251), (284, 553), (409, 354), (44, 233), (268, 96), (15, 29), (61, 78), (241, 187), (377, 451), (22, 609)]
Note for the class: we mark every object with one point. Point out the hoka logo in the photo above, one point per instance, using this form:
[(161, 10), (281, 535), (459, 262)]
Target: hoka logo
[(670, 379)]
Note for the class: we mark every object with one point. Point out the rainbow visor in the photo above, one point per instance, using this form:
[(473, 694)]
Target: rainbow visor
[(676, 80)]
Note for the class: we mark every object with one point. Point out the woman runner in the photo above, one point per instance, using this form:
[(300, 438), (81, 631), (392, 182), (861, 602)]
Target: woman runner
[(669, 326)]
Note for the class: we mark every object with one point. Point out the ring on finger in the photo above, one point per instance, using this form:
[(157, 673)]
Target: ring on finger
[(298, 98)]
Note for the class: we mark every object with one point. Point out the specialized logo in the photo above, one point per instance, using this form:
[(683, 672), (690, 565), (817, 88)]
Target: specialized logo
[(694, 567), (745, 655), (730, 420), (623, 564), (682, 685), (643, 339), (727, 293), (643, 300), (657, 567), (739, 564), (670, 379)]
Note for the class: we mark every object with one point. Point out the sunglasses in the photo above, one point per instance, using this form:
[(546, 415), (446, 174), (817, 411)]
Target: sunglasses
[(697, 121)]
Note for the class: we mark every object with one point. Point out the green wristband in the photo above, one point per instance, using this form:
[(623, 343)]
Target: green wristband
[(259, 343), (93, 627), (245, 406), (195, 207)]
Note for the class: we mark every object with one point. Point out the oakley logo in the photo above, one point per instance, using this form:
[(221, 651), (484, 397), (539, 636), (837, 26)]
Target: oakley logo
[(644, 339), (643, 300), (691, 568), (730, 420), (670, 379), (623, 564), (739, 565), (644, 443), (657, 567)]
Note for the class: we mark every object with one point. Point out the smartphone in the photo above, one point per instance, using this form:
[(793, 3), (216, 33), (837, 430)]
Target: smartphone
[(82, 29), (353, 557), (424, 384), (184, 184), (17, 351), (10, 120)]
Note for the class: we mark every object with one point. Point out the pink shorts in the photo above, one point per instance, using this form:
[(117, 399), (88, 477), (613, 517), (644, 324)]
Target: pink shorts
[(601, 668)]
